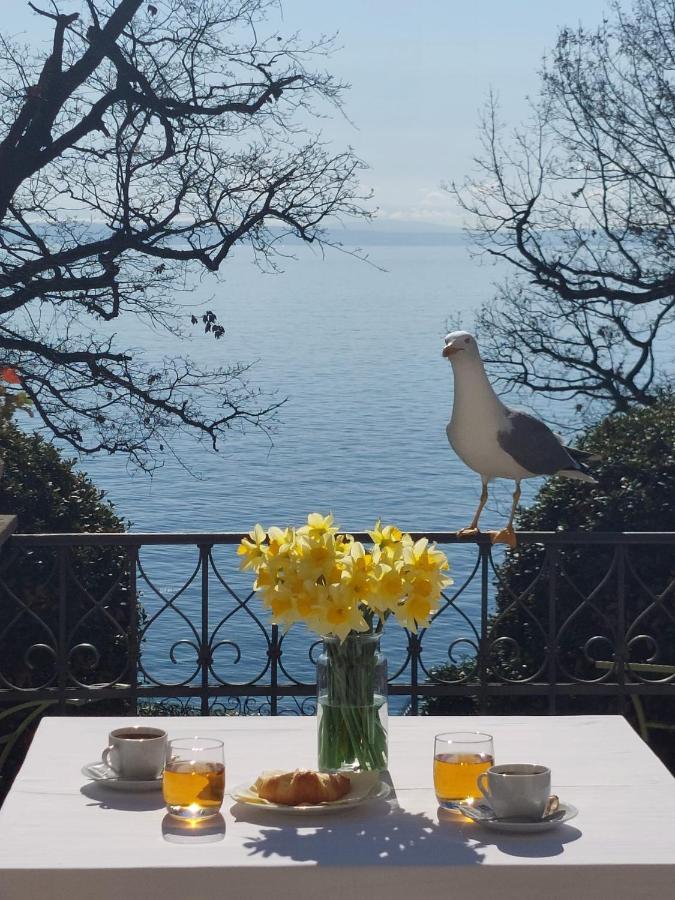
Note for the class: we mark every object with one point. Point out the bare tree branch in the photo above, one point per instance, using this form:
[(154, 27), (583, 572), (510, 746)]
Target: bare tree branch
[(580, 202), (150, 141)]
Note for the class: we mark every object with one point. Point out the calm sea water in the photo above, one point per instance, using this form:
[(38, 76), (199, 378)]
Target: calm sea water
[(356, 350)]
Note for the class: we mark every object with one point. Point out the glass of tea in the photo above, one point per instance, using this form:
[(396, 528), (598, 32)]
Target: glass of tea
[(459, 758), (193, 782)]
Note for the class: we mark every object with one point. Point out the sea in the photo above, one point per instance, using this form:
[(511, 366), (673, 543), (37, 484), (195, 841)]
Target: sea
[(351, 342)]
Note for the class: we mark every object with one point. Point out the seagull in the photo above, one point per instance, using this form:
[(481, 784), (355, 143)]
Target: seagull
[(497, 441)]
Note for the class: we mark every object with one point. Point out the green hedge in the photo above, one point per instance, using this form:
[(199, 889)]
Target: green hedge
[(47, 494)]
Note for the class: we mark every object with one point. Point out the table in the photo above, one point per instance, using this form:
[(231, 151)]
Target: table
[(62, 837)]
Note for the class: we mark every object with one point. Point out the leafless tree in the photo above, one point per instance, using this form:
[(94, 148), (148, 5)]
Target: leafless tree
[(580, 202), (152, 139)]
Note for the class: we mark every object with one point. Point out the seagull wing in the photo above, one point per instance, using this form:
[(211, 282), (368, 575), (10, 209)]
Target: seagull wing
[(582, 456), (533, 445)]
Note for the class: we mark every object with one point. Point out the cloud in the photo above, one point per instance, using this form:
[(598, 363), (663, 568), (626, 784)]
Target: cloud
[(430, 205)]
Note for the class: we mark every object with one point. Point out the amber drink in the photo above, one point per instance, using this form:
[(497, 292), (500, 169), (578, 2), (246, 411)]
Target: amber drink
[(193, 783), (459, 758)]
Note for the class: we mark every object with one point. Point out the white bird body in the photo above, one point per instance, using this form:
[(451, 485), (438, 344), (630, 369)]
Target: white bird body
[(477, 416)]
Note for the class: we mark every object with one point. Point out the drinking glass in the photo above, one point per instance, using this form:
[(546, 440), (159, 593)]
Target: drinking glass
[(193, 783), (459, 758)]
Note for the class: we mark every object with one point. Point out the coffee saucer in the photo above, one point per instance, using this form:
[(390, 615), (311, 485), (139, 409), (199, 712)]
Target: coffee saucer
[(102, 774), (483, 814)]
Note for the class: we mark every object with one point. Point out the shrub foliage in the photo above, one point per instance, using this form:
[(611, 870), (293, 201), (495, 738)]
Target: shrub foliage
[(48, 495)]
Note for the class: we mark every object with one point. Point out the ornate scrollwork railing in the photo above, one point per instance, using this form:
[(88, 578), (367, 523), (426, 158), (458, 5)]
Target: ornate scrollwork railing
[(169, 621)]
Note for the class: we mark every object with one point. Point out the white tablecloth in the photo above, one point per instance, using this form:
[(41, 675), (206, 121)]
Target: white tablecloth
[(62, 838)]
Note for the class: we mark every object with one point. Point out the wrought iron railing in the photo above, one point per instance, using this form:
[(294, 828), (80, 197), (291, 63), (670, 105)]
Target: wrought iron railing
[(168, 619)]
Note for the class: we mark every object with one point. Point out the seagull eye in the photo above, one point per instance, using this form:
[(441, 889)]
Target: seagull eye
[(467, 340)]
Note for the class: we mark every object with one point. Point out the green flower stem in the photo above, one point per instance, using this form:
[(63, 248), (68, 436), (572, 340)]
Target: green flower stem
[(350, 731)]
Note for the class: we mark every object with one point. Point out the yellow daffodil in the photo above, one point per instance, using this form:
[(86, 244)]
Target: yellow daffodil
[(318, 525), (343, 542), (385, 535), (423, 589), (424, 556), (339, 616), (317, 555), (415, 612), (358, 572), (253, 550), (292, 580), (265, 578), (310, 601), (388, 589), (281, 604), (280, 540)]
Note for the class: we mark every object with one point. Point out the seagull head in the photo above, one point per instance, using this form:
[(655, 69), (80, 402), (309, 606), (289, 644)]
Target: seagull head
[(460, 345)]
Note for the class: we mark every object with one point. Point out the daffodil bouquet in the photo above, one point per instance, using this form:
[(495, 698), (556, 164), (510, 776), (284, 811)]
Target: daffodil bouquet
[(335, 585), (341, 589)]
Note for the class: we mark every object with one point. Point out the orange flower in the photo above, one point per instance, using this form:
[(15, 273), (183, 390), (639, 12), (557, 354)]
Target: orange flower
[(8, 374)]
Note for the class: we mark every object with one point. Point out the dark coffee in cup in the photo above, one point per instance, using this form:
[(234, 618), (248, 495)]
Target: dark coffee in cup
[(136, 735)]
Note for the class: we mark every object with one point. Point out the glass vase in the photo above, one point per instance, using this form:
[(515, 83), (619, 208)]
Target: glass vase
[(352, 704)]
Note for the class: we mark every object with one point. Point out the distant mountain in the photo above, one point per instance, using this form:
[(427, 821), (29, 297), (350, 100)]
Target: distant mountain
[(378, 233), (388, 232)]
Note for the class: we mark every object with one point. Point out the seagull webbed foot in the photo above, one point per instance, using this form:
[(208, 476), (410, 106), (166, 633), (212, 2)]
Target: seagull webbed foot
[(505, 536), (468, 532)]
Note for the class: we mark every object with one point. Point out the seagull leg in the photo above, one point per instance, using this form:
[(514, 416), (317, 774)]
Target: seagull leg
[(472, 530), (508, 535)]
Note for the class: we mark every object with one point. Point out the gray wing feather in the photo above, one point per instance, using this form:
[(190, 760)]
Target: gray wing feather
[(533, 445)]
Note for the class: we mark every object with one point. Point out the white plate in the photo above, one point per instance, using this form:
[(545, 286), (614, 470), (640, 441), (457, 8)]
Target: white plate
[(101, 774), (568, 812), (364, 789)]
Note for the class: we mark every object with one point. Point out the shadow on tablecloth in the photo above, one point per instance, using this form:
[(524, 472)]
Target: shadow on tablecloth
[(382, 833), (107, 798), (531, 846)]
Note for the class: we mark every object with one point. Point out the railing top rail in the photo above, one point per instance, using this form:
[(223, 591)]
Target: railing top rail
[(208, 538)]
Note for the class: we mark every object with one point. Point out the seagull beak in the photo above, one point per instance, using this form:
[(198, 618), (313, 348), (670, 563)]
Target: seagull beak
[(449, 349)]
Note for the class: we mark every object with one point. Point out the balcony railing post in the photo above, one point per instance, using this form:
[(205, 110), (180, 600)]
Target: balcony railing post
[(61, 649), (204, 645), (484, 550), (415, 647), (621, 647), (132, 562), (274, 653), (552, 557)]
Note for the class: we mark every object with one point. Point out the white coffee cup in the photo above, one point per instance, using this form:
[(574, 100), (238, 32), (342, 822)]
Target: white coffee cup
[(136, 751), (516, 790)]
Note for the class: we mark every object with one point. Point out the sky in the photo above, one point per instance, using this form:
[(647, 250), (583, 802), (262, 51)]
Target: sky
[(419, 72)]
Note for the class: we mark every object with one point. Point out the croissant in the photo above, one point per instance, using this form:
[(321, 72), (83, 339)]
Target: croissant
[(302, 786)]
